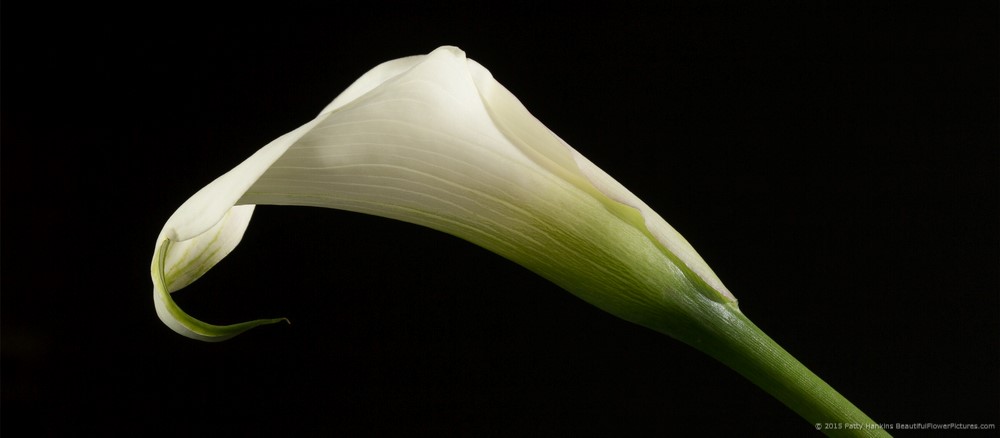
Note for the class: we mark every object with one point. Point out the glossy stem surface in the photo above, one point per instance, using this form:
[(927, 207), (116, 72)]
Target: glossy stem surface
[(724, 333)]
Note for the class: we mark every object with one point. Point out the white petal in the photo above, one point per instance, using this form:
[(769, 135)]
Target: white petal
[(435, 140), (544, 146), (177, 264)]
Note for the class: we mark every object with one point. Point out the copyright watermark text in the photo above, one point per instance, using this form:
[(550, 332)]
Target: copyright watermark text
[(905, 426)]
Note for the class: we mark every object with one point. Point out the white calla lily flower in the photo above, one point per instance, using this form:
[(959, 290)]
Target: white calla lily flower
[(435, 140)]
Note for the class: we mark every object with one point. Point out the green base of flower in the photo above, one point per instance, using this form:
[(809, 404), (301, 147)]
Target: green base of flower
[(730, 337)]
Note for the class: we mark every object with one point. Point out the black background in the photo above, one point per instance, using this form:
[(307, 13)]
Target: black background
[(836, 166)]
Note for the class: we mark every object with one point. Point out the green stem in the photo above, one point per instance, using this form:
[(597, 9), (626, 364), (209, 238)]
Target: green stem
[(728, 336)]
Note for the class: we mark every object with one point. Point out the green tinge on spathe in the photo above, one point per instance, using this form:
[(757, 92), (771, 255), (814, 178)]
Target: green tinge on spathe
[(436, 141), (190, 259)]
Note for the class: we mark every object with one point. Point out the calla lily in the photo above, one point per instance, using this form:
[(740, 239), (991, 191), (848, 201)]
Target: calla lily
[(436, 141)]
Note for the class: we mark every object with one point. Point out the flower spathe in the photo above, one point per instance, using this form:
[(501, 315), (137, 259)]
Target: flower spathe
[(436, 141)]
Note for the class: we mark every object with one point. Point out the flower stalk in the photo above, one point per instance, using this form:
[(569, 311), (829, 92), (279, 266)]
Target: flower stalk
[(725, 333)]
